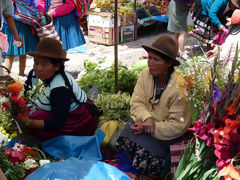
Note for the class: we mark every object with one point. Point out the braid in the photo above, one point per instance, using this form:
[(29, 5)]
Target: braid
[(67, 83)]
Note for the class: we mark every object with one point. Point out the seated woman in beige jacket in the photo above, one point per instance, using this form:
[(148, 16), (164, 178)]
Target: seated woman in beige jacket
[(159, 117)]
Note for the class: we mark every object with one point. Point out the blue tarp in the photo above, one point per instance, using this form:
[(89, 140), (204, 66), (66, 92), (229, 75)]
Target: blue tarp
[(80, 147), (162, 18), (77, 170)]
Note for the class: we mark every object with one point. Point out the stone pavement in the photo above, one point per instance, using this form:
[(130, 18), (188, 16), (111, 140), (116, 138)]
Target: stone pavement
[(128, 52)]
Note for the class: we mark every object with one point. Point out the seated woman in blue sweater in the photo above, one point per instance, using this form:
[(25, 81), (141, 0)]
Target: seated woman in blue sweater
[(61, 107)]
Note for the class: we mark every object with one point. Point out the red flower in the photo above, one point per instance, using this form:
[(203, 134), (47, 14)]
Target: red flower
[(5, 105), (15, 156), (29, 151), (205, 132)]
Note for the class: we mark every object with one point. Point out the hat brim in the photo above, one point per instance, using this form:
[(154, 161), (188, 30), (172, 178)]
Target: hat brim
[(150, 48), (45, 55)]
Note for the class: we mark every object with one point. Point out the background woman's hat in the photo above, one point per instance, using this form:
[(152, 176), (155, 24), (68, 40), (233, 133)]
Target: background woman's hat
[(236, 3), (164, 45), (49, 47)]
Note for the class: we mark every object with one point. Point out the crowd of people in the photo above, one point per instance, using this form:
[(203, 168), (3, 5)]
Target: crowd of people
[(159, 117), (61, 12)]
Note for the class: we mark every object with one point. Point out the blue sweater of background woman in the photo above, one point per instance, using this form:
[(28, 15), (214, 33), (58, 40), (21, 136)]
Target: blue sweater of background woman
[(214, 10)]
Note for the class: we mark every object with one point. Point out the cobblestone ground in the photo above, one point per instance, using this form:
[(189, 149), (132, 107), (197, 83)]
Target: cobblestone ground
[(128, 53)]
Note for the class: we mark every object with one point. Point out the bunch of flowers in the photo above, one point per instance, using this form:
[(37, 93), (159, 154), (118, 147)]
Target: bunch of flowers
[(13, 106), (215, 152), (193, 82), (19, 161)]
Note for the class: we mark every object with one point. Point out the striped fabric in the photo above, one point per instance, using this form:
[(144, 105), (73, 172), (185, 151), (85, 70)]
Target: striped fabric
[(176, 152), (82, 7), (47, 31), (27, 13)]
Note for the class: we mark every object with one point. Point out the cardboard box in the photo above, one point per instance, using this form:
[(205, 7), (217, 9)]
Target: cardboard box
[(101, 35), (128, 19), (127, 33), (102, 19)]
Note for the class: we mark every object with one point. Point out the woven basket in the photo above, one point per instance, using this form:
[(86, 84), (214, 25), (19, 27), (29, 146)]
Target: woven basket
[(5, 80)]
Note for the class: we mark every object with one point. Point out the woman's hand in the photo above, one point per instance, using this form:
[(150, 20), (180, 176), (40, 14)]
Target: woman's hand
[(222, 28), (23, 122), (149, 126), (137, 128)]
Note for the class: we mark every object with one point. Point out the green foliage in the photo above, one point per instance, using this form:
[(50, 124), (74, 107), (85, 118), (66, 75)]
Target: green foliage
[(197, 162), (104, 78), (114, 106), (12, 171)]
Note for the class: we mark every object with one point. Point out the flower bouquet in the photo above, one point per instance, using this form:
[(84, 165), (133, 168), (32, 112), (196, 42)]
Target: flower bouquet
[(13, 106), (214, 152), (19, 161)]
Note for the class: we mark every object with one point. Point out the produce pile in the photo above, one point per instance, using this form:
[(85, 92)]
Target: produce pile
[(161, 5)]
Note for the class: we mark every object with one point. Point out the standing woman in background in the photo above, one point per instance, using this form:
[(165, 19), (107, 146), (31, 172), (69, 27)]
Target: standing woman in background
[(178, 11), (27, 34), (64, 20)]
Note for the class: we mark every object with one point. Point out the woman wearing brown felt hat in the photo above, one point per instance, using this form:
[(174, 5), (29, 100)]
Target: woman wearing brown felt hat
[(62, 107), (159, 117)]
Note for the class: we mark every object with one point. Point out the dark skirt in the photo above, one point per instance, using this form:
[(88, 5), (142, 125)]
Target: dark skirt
[(28, 35), (142, 160), (80, 122), (69, 30)]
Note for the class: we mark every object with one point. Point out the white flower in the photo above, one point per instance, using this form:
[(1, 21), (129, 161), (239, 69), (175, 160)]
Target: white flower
[(18, 147), (30, 163), (43, 162)]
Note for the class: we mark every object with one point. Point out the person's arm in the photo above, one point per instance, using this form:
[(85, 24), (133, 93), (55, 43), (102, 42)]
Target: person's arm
[(11, 24), (214, 13), (60, 101), (64, 9), (41, 6), (139, 100), (178, 121), (60, 111), (226, 49)]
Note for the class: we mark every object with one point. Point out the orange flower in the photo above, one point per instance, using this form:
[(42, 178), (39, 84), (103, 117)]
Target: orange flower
[(230, 172), (15, 87), (231, 126), (190, 84)]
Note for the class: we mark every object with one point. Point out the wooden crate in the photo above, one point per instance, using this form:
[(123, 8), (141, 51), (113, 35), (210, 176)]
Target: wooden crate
[(128, 19), (101, 35)]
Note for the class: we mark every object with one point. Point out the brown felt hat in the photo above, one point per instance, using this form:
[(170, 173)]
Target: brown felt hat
[(52, 48), (164, 45)]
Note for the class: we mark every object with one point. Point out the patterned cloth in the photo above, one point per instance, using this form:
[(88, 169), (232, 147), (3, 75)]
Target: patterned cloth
[(143, 161)]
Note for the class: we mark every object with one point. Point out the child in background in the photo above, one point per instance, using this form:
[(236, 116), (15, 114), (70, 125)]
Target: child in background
[(229, 47), (29, 37), (64, 20)]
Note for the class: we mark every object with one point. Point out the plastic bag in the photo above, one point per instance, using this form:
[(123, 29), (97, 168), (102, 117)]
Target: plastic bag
[(81, 147), (77, 170), (112, 130), (220, 37)]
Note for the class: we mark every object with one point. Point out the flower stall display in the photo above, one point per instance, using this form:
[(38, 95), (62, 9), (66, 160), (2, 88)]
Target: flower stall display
[(13, 106), (18, 161), (214, 152)]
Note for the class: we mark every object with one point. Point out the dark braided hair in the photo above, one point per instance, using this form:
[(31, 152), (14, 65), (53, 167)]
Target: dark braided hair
[(61, 71), (235, 29), (92, 108)]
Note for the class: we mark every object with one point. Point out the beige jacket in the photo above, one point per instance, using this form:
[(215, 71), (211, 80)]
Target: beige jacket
[(172, 115)]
